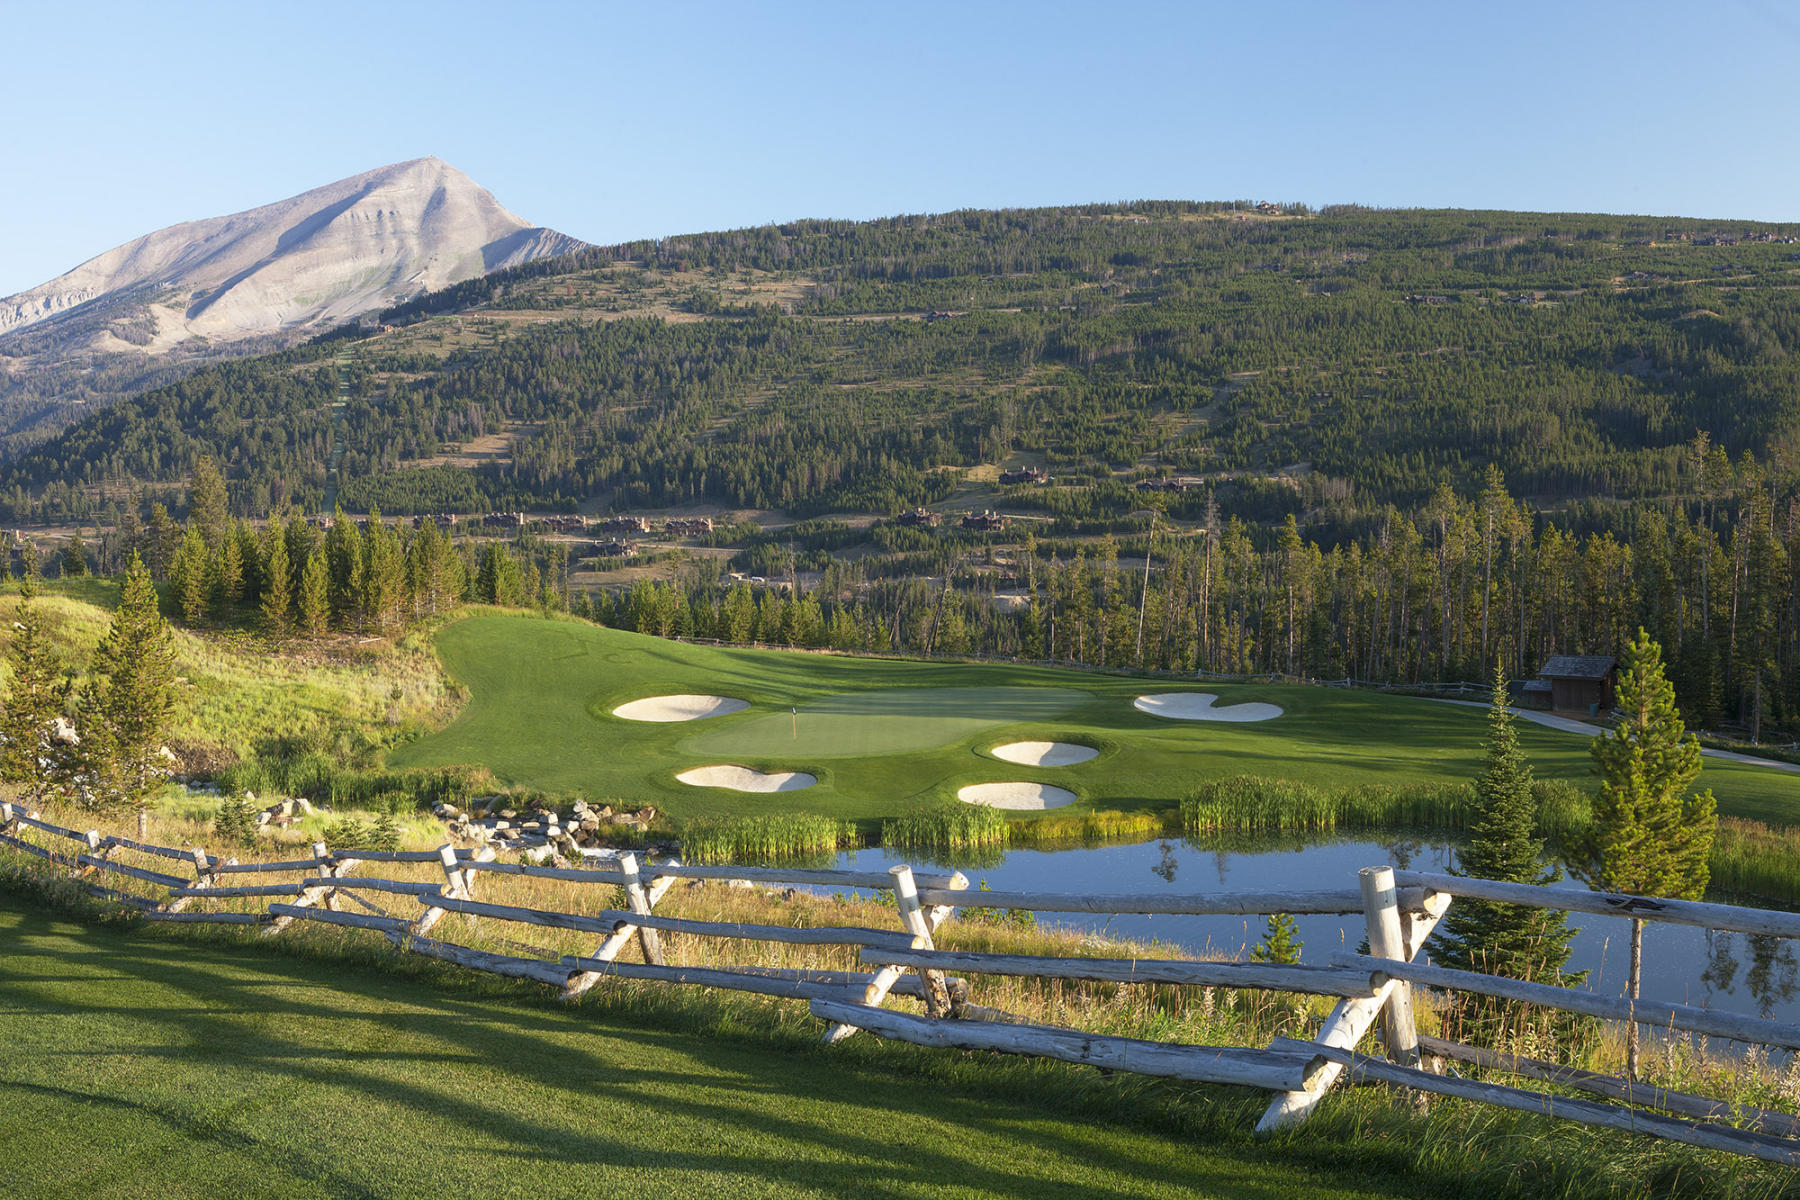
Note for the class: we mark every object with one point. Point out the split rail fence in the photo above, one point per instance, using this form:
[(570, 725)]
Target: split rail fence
[(1373, 991)]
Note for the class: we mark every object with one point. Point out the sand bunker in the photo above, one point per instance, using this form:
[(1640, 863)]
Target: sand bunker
[(1021, 796), (679, 708), (1044, 754), (1198, 706), (743, 779)]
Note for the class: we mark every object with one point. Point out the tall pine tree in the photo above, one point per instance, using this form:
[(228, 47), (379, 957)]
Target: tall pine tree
[(34, 699), (1650, 835), (129, 699), (1503, 844), (277, 598)]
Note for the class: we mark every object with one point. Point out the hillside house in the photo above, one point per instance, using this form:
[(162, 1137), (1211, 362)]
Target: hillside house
[(1579, 683), (920, 518), (625, 525), (613, 548), (985, 521), (1026, 475), (688, 526)]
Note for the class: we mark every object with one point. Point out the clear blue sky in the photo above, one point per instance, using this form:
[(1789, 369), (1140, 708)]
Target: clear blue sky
[(611, 121)]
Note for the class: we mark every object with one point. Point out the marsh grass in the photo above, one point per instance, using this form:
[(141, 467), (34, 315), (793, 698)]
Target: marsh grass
[(787, 838), (1093, 827), (948, 828)]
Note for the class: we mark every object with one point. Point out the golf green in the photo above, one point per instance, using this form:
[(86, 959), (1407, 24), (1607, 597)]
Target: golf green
[(885, 722), (885, 736)]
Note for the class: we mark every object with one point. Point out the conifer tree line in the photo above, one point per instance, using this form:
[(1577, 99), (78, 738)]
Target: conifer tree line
[(292, 576), (1438, 594)]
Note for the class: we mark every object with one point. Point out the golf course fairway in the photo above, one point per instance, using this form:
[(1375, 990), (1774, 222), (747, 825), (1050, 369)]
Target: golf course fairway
[(884, 736)]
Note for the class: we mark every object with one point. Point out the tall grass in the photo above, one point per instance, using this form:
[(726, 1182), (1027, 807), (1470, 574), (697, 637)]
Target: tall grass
[(317, 776), (947, 828), (789, 838), (1253, 804), (1752, 859), (1088, 828)]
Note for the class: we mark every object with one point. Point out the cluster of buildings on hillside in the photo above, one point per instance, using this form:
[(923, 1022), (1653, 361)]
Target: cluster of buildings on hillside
[(985, 521)]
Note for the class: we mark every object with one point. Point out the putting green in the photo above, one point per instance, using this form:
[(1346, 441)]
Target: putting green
[(893, 721)]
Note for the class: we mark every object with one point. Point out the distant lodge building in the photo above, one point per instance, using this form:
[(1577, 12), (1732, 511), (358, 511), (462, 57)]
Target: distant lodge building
[(1031, 475), (504, 520), (687, 526), (985, 521), (567, 524), (635, 525), (1180, 483), (443, 520), (920, 518), (613, 548), (1581, 683)]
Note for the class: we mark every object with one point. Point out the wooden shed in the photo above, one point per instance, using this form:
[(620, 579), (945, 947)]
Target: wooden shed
[(1580, 682)]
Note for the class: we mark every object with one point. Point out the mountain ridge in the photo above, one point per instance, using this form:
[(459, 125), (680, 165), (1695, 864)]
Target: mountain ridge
[(264, 276)]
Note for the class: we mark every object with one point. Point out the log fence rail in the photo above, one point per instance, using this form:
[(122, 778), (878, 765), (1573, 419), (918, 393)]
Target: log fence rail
[(1372, 990)]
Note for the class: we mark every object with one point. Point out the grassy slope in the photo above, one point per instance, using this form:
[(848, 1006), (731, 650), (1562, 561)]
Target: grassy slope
[(169, 1067), (239, 690), (541, 691)]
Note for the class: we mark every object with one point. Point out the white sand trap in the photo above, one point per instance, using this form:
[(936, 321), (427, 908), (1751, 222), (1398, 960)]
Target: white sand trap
[(743, 779), (679, 708), (1044, 754), (1198, 706), (1023, 796)]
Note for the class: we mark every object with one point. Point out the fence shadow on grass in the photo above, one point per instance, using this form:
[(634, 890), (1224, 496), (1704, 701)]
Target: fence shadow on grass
[(601, 1093)]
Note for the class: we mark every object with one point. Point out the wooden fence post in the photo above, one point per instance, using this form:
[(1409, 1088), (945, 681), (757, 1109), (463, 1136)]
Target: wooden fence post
[(638, 900), (1348, 1022), (1386, 940), (920, 925), (608, 950), (311, 895)]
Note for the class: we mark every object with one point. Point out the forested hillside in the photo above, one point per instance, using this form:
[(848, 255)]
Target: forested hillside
[(1322, 364), (1389, 446)]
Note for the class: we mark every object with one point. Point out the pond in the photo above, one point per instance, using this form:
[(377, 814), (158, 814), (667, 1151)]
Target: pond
[(1685, 965)]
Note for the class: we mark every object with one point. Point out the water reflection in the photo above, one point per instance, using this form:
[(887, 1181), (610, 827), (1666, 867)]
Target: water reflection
[(1682, 964), (1166, 866)]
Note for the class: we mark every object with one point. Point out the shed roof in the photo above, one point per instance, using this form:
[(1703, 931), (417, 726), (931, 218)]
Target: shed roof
[(1578, 666)]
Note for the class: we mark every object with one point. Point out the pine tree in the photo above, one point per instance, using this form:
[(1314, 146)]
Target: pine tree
[(164, 537), (34, 699), (31, 561), (228, 582), (74, 558), (277, 601), (1503, 939), (235, 821), (1650, 836), (315, 595), (739, 618), (1281, 944), (189, 574), (130, 698), (207, 510)]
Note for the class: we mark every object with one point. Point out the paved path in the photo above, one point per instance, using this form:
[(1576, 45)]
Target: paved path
[(1570, 725)]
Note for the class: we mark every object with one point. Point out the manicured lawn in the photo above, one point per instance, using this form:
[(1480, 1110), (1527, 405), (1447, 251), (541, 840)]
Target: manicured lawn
[(155, 1065), (885, 736)]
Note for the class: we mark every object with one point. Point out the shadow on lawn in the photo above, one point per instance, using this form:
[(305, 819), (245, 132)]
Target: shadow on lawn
[(753, 1111)]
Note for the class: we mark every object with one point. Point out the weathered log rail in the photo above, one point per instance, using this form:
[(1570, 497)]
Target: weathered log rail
[(1400, 908)]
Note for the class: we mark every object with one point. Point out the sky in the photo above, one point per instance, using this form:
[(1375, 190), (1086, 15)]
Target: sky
[(613, 121)]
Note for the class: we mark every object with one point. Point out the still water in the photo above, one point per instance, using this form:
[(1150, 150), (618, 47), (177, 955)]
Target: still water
[(1682, 964)]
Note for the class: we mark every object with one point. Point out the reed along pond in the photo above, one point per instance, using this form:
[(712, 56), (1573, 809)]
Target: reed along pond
[(1733, 972)]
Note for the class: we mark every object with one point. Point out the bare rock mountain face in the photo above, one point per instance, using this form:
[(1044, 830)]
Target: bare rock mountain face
[(153, 309)]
